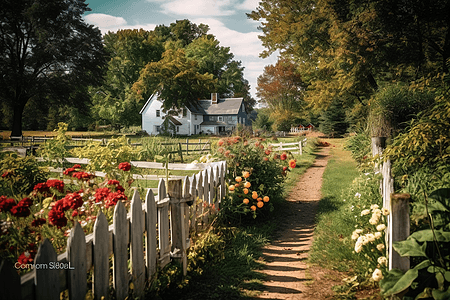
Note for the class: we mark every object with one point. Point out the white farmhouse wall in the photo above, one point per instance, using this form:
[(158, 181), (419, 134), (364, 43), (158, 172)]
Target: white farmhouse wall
[(149, 118)]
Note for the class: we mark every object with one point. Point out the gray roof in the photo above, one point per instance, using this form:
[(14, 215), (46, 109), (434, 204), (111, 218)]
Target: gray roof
[(213, 123), (228, 106)]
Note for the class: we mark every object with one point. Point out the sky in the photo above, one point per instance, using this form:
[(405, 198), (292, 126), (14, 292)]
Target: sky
[(226, 19)]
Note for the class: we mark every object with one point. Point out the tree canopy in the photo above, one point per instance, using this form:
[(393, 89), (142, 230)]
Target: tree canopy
[(48, 55)]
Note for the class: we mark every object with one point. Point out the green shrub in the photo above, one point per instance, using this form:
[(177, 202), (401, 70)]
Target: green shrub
[(20, 175), (55, 150)]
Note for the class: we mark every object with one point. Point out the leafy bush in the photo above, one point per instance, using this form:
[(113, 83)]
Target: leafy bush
[(107, 158), (251, 164), (19, 175), (429, 276), (360, 146), (55, 150)]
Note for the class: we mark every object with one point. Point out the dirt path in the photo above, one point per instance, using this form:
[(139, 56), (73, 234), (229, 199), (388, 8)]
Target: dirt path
[(286, 256)]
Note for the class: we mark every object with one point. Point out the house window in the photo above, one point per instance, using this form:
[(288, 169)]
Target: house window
[(158, 113), (178, 128), (220, 118), (240, 120), (195, 117), (158, 128), (243, 108)]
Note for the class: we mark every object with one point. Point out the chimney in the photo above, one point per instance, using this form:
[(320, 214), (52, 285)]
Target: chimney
[(214, 98)]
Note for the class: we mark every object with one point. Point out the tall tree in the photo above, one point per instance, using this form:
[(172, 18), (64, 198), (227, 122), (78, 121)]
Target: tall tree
[(129, 52), (48, 53), (344, 48)]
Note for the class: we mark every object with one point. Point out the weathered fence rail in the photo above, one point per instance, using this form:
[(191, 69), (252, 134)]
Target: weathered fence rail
[(149, 236), (296, 147)]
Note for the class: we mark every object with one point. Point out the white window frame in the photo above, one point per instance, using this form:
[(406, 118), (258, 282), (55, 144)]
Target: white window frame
[(158, 113), (220, 119)]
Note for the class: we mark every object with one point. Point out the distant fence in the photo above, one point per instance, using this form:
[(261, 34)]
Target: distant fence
[(296, 147), (150, 235)]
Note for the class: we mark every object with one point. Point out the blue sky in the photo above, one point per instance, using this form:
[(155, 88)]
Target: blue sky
[(226, 18)]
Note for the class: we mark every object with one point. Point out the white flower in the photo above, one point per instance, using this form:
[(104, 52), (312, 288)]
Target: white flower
[(356, 233), (377, 275), (365, 212), (370, 237), (358, 195), (359, 244), (374, 206), (367, 174), (83, 223), (382, 260), (378, 235), (385, 211), (380, 247), (381, 227)]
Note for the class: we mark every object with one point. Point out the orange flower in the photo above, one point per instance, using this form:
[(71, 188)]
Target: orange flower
[(266, 199), (255, 195), (265, 158), (292, 163), (260, 204), (246, 174), (247, 184), (246, 201), (238, 179), (231, 188), (253, 207), (259, 199), (245, 191), (236, 185)]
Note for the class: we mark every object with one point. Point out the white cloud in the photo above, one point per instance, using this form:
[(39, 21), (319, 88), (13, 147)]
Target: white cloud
[(111, 23), (249, 5), (199, 7)]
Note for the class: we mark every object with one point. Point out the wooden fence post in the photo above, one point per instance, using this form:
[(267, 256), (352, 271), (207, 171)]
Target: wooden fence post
[(137, 245), (399, 231), (76, 255), (10, 281), (101, 258), (120, 245), (187, 146), (300, 148), (150, 237)]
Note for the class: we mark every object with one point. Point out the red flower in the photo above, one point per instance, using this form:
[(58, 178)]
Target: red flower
[(285, 168), (283, 156), (25, 258), (116, 184), (38, 222), (7, 174), (101, 194), (267, 152), (20, 211), (266, 158), (72, 201), (220, 142), (6, 203), (25, 202), (125, 166), (56, 184), (275, 156), (75, 213), (56, 215), (83, 175), (41, 187), (113, 198), (292, 164), (227, 153)]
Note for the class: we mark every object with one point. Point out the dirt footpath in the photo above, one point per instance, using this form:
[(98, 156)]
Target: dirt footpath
[(288, 275)]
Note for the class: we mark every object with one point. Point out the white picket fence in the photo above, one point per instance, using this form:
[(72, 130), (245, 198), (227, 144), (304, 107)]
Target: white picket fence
[(296, 147), (155, 232)]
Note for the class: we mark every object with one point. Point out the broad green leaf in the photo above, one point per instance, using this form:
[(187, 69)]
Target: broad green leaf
[(441, 295), (427, 235), (442, 196), (410, 247), (447, 276), (396, 282)]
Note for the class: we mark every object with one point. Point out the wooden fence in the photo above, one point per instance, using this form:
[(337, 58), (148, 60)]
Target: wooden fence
[(398, 221), (149, 236), (296, 147)]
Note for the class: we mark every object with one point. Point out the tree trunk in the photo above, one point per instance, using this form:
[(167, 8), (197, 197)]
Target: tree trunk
[(16, 130)]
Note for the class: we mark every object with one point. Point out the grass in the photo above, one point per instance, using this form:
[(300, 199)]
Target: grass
[(227, 259), (332, 227)]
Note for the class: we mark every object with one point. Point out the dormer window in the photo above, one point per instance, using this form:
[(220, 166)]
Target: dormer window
[(158, 113)]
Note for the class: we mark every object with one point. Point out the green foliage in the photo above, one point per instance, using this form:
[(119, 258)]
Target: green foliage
[(31, 46), (19, 175), (394, 106), (360, 146), (333, 120), (262, 120), (430, 275), (106, 158), (55, 150)]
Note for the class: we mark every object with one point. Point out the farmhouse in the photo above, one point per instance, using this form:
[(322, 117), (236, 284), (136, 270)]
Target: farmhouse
[(209, 116)]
